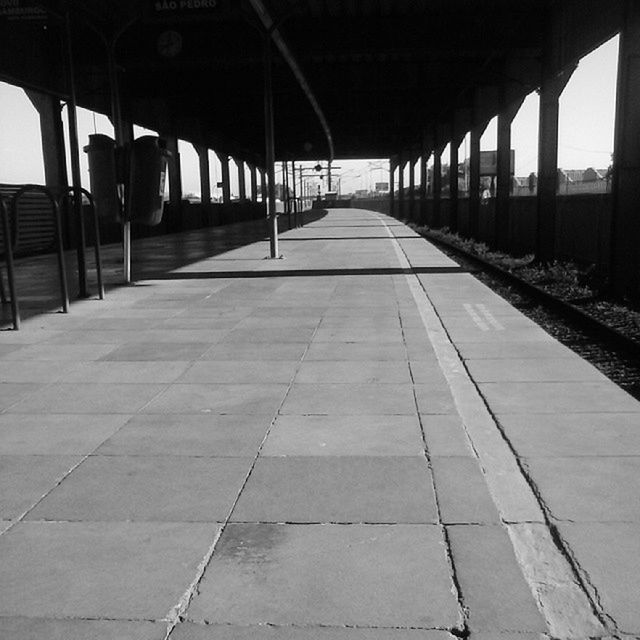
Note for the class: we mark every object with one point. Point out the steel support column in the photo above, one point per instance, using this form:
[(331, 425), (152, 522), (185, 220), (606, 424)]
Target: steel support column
[(392, 186), (453, 184), (625, 237), (74, 153), (254, 182), (424, 158), (474, 177), (437, 185), (175, 178), (52, 135), (503, 171), (205, 180), (225, 177), (401, 164), (242, 186), (550, 91), (412, 186)]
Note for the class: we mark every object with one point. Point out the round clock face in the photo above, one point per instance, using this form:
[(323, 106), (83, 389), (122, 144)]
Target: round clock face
[(169, 44)]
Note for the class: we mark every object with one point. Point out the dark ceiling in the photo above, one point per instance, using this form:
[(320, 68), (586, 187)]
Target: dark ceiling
[(384, 72)]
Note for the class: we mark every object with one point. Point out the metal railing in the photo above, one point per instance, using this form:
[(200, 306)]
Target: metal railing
[(10, 212)]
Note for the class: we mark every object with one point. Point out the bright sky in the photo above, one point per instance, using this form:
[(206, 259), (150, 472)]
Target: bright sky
[(587, 110)]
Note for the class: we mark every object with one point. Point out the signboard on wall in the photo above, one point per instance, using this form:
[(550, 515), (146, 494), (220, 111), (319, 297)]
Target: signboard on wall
[(489, 163), (22, 10), (185, 10), (382, 186)]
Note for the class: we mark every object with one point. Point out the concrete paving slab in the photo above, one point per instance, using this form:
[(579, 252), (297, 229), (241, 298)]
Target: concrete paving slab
[(55, 434), (378, 322), (13, 392), (427, 371), (344, 436), (144, 351), (573, 434), (385, 351), (434, 398), (122, 323), (61, 353), (534, 370), (239, 371), (288, 311), (256, 351), (160, 371), (26, 336), (138, 488), (445, 436), (25, 479), (336, 489), (189, 323), (87, 398), (363, 371), (249, 399), (270, 335), (358, 334), (462, 492), (105, 337), (33, 371), (347, 311), (5, 349), (117, 570), (493, 588), (589, 489), (608, 554), (558, 397), (519, 335), (349, 399), (39, 628), (190, 631), (492, 350), (286, 322), (357, 575), (187, 435)]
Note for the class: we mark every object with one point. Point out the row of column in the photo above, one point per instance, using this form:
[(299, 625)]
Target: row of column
[(623, 265), (225, 182), (52, 132)]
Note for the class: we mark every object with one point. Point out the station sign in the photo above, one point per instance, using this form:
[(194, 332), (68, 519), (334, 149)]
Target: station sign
[(382, 186), (22, 10), (184, 10)]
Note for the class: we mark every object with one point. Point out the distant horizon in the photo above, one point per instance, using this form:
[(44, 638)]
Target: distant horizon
[(587, 106)]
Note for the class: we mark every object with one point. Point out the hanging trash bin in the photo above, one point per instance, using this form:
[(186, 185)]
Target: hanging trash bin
[(101, 153), (148, 172)]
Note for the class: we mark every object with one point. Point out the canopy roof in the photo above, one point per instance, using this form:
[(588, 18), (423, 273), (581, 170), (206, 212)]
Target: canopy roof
[(386, 74)]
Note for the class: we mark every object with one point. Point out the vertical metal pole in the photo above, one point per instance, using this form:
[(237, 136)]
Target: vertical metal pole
[(437, 186), (295, 194), (392, 186), (118, 126), (453, 184), (75, 165), (270, 153), (474, 179), (329, 175)]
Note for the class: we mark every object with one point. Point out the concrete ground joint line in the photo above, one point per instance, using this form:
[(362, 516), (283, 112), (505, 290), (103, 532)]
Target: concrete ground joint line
[(178, 611), (461, 628), (537, 556)]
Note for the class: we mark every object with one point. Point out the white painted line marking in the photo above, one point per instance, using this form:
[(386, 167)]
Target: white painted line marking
[(561, 600), (490, 317), (475, 317)]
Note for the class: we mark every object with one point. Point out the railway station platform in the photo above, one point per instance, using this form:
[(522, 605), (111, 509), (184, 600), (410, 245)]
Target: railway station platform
[(358, 441)]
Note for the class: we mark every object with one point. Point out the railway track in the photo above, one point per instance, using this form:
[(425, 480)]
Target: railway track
[(611, 351)]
